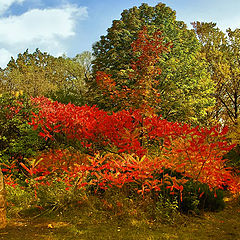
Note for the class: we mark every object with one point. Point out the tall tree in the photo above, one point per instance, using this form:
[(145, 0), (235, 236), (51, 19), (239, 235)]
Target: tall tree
[(184, 85), (142, 93), (222, 52)]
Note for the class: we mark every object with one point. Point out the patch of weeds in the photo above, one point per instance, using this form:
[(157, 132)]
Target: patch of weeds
[(18, 200)]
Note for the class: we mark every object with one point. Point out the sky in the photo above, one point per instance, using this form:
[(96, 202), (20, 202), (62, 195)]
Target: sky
[(71, 26)]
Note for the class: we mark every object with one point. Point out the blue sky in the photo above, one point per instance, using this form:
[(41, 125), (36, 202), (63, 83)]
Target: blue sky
[(72, 26)]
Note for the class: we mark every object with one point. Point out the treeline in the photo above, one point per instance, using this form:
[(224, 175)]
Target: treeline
[(198, 72), (40, 74)]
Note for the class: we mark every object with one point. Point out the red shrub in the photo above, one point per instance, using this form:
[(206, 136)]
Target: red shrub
[(194, 153)]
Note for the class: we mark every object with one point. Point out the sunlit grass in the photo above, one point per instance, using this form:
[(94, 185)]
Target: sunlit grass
[(92, 221)]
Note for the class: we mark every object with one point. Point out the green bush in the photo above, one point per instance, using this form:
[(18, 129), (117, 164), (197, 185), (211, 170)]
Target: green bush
[(197, 196), (233, 157), (17, 138)]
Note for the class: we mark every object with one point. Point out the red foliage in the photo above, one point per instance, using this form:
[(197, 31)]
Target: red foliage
[(94, 128), (143, 93), (195, 153)]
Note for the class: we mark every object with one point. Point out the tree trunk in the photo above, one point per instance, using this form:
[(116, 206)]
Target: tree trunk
[(3, 219)]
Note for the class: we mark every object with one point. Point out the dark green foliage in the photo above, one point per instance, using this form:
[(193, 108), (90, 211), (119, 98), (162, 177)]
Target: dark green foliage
[(233, 157), (193, 200), (69, 96), (17, 138)]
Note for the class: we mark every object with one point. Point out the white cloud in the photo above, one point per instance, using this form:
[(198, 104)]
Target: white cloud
[(5, 56), (40, 25), (5, 4), (40, 28)]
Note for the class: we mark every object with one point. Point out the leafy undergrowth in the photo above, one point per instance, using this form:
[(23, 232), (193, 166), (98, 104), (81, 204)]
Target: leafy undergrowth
[(87, 223)]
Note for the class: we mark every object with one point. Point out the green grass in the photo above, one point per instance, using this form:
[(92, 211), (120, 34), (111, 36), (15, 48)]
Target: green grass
[(91, 223)]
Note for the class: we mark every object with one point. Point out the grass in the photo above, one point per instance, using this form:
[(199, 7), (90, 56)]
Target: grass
[(91, 223)]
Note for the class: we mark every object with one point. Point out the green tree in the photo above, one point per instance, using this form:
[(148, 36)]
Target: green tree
[(32, 73), (77, 72), (142, 93), (222, 52), (184, 84), (38, 73)]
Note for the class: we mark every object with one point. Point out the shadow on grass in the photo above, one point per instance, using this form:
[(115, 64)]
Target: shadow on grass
[(78, 224)]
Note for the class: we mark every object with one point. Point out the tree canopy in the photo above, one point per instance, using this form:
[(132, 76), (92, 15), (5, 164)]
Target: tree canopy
[(142, 93), (222, 52), (40, 74), (184, 84)]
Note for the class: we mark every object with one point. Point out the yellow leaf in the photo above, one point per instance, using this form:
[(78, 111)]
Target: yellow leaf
[(50, 226)]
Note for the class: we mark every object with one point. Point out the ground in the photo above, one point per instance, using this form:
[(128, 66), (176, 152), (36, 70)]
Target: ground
[(223, 225)]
